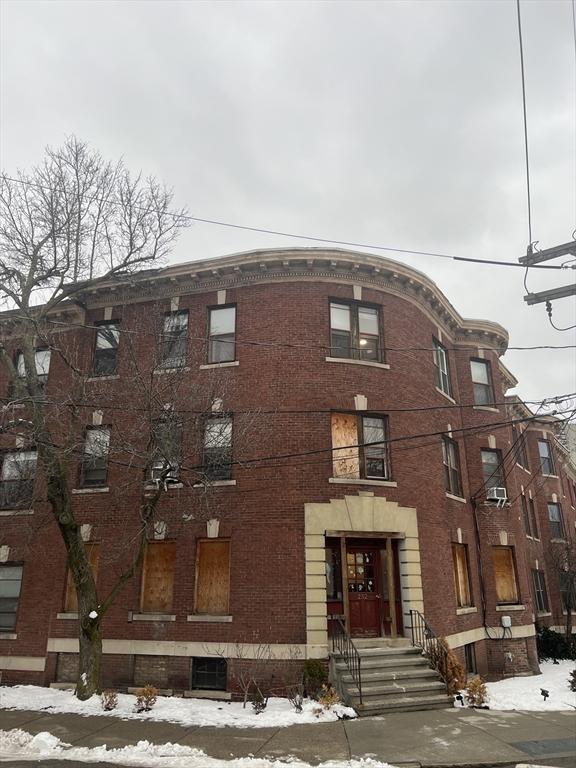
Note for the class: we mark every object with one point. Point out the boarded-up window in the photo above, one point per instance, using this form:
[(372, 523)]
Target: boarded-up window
[(505, 575), (71, 598), (158, 577), (461, 575), (213, 576), (346, 460)]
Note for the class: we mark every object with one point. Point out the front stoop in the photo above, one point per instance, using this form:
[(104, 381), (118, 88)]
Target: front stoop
[(395, 678)]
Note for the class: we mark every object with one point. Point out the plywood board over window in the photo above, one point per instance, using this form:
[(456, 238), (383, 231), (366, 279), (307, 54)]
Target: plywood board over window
[(346, 460), (71, 598), (213, 576), (505, 575), (158, 577)]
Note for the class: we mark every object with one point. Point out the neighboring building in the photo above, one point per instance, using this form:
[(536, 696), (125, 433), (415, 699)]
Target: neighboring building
[(358, 464)]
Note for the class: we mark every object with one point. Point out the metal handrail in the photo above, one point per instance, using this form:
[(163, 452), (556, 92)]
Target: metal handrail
[(434, 647), (343, 644)]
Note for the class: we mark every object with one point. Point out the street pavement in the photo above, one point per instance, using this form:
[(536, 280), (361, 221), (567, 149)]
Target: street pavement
[(448, 737)]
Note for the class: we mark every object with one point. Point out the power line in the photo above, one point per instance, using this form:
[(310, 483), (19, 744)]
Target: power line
[(283, 344), (313, 238)]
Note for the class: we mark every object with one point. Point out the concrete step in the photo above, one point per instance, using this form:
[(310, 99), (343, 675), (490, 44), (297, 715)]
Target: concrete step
[(382, 642), (403, 704), (387, 691), (387, 663), (392, 675), (396, 653)]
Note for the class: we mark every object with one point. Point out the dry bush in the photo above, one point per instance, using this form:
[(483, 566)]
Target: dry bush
[(328, 697), (455, 673), (476, 693), (295, 695), (109, 700), (572, 681), (146, 698)]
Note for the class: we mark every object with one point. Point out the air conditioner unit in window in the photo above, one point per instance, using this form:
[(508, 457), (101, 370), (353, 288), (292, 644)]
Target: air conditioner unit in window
[(497, 494)]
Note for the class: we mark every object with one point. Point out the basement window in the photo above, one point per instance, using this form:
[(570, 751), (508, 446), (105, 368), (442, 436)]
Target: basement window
[(209, 674)]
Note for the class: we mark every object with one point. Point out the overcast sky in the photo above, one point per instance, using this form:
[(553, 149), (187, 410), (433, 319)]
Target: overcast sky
[(392, 123)]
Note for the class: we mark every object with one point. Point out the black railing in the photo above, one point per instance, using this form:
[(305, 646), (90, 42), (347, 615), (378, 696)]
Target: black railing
[(343, 645), (434, 647)]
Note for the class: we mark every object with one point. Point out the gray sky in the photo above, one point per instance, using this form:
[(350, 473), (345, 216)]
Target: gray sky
[(393, 123)]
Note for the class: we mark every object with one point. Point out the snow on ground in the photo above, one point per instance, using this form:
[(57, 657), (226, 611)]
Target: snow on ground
[(524, 692), (22, 745), (278, 714)]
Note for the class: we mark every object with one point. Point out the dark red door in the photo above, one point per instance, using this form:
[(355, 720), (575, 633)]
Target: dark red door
[(364, 591)]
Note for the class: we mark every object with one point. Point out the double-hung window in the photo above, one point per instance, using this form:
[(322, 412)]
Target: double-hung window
[(482, 382), (94, 470), (157, 590), (166, 448), (556, 521), (529, 515), (174, 340), (10, 583), (519, 445), (217, 463), (212, 589), (41, 363), (540, 593), (222, 335), (462, 576), (492, 469), (106, 349), (451, 459), (442, 368), (355, 331), (546, 460), (360, 446), (17, 479)]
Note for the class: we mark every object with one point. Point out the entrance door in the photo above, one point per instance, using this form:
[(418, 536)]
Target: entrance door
[(364, 590)]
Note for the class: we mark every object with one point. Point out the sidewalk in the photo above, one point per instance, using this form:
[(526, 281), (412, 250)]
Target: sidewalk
[(459, 737)]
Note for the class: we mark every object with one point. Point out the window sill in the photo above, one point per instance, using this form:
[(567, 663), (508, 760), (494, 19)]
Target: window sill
[(532, 538), (554, 477), (461, 499), (358, 481), (217, 483), (448, 397), (154, 486), (67, 615), (558, 541), (523, 468), (200, 617), (464, 611), (8, 407), (230, 364), (201, 693), (8, 636), (486, 408), (543, 614), (514, 607), (163, 371), (151, 616), (15, 512), (112, 377), (79, 491), (369, 363)]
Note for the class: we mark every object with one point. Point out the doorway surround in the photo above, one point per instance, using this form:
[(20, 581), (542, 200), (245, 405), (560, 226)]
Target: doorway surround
[(361, 514)]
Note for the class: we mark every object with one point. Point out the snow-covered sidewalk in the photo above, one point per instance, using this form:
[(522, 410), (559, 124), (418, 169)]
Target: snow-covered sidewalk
[(19, 744), (188, 712)]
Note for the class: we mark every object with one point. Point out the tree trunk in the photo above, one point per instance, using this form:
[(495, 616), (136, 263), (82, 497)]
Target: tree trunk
[(569, 623), (90, 659)]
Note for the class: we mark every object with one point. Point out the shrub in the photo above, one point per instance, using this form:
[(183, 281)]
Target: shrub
[(146, 698), (295, 695), (553, 645), (476, 693), (109, 700), (455, 673), (328, 696), (572, 681), (258, 701), (315, 675)]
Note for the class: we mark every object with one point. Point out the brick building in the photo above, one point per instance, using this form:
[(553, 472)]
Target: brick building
[(332, 442)]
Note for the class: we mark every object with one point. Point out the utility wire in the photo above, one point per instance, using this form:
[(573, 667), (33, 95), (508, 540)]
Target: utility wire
[(353, 244), (280, 344)]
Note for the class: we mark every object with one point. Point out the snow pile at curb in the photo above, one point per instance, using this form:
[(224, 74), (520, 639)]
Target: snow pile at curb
[(188, 712), (17, 743)]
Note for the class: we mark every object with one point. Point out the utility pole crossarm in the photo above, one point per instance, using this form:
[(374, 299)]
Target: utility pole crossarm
[(535, 257), (550, 295)]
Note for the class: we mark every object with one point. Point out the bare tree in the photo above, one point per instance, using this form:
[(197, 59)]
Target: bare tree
[(562, 557), (73, 221)]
